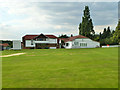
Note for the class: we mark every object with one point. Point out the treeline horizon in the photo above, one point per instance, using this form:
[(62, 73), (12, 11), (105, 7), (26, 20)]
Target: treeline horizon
[(86, 28)]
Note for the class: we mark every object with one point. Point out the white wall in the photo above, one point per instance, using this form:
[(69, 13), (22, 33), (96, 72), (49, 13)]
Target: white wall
[(28, 42), (52, 47), (52, 40), (88, 43), (69, 45), (93, 44), (83, 40), (48, 41), (110, 46), (16, 44)]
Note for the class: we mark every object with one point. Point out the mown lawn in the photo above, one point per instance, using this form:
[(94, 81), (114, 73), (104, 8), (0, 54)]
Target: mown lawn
[(61, 68), (8, 52)]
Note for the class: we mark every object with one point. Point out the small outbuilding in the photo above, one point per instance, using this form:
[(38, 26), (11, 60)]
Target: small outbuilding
[(16, 45), (79, 41)]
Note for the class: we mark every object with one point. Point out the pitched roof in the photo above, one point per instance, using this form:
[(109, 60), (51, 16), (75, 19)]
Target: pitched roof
[(51, 36), (4, 44), (29, 37), (72, 38)]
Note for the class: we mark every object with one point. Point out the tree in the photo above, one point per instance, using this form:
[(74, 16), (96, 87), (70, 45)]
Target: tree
[(104, 34), (86, 27), (100, 37), (96, 37), (116, 35), (108, 32), (63, 36), (71, 35), (113, 32)]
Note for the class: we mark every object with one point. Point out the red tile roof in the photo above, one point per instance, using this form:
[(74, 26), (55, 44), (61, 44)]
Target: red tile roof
[(72, 38), (51, 36), (4, 44), (29, 37)]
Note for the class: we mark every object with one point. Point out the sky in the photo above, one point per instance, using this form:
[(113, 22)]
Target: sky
[(20, 18)]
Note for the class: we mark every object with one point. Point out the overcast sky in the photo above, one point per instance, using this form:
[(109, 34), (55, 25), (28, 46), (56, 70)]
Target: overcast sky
[(18, 19)]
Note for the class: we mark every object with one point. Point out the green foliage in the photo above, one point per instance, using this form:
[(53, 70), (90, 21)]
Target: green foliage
[(106, 33), (107, 37), (71, 35), (96, 37), (86, 27), (116, 35), (9, 42), (63, 36), (108, 41)]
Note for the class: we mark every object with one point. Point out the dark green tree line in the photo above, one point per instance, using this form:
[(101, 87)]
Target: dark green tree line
[(116, 35)]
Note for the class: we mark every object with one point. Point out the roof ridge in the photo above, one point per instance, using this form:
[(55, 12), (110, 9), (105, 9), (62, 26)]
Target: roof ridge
[(33, 36), (72, 38)]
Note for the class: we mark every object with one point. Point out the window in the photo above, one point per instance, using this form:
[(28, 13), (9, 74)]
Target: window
[(80, 44), (32, 42), (67, 44), (76, 43), (41, 39), (83, 44)]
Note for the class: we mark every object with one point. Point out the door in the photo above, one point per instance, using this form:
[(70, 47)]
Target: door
[(41, 46)]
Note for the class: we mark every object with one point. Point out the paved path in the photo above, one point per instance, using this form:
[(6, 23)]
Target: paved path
[(12, 55)]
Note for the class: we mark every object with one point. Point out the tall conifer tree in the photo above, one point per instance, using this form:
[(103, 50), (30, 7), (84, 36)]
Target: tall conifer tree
[(86, 27)]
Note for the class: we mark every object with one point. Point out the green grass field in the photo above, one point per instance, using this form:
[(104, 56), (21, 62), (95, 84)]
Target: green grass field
[(61, 68)]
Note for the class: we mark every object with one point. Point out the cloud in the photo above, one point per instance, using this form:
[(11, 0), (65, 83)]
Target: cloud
[(58, 27), (100, 28), (59, 1), (20, 18)]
